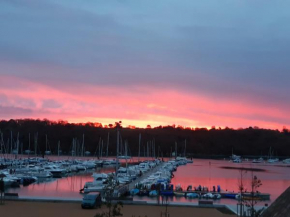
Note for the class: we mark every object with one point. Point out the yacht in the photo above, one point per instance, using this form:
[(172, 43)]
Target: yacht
[(99, 180), (237, 160), (56, 171), (124, 157), (273, 160), (286, 161), (260, 160)]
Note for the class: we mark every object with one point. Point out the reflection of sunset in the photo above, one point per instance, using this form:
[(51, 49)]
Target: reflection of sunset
[(275, 179), (146, 106), (66, 187)]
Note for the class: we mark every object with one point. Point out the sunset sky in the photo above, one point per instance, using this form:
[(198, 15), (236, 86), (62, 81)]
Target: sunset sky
[(158, 62)]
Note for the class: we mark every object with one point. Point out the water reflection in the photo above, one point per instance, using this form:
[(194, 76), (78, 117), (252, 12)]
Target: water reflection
[(275, 179)]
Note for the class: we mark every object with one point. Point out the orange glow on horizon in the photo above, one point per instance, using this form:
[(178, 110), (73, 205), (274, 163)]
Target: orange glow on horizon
[(147, 106)]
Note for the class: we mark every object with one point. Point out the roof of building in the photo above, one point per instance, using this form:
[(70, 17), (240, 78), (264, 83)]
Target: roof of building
[(280, 207)]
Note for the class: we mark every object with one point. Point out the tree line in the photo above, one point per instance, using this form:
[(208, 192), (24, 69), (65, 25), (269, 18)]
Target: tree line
[(197, 142)]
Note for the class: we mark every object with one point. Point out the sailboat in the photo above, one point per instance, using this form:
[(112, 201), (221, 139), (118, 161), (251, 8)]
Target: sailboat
[(58, 149), (47, 152), (16, 148), (270, 159), (125, 156), (27, 151)]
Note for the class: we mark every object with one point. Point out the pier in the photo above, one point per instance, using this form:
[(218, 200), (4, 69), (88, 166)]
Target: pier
[(128, 187), (145, 175)]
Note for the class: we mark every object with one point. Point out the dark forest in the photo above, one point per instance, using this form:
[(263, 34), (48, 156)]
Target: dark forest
[(198, 142)]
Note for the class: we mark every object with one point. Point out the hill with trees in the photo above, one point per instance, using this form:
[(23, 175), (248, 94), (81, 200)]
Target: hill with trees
[(198, 142)]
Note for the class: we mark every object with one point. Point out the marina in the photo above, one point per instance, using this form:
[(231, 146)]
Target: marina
[(190, 182), (170, 108)]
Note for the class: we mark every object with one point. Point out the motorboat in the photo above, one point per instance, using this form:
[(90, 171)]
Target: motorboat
[(89, 164), (56, 171), (153, 193), (179, 194), (273, 160), (259, 160), (99, 179), (192, 195), (134, 191), (286, 161), (41, 174), (211, 196), (124, 157), (95, 188), (237, 160)]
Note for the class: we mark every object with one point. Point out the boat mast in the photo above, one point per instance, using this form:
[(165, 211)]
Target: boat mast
[(1, 142), (11, 143), (45, 142), (117, 154), (154, 148), (72, 147), (102, 148), (17, 145), (83, 145), (58, 146), (35, 143), (147, 149), (126, 154), (175, 150), (185, 149), (139, 146), (108, 144), (100, 140), (28, 145)]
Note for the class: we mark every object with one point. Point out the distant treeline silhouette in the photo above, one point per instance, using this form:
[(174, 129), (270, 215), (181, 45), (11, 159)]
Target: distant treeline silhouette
[(198, 142)]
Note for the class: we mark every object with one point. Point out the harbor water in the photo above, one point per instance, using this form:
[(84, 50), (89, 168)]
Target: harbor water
[(275, 179)]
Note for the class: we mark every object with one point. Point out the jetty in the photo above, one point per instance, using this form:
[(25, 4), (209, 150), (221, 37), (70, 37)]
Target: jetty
[(122, 189), (145, 175)]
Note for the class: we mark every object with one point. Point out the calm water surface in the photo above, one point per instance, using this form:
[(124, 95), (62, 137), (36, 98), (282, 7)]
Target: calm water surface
[(275, 179)]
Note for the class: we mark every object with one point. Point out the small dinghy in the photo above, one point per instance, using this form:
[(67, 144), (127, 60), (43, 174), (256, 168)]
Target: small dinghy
[(134, 191), (153, 193), (192, 195)]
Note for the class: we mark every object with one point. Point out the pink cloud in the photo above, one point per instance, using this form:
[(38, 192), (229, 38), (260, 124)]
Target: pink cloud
[(137, 106)]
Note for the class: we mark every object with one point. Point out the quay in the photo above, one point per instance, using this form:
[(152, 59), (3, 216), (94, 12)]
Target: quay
[(228, 194), (73, 209)]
